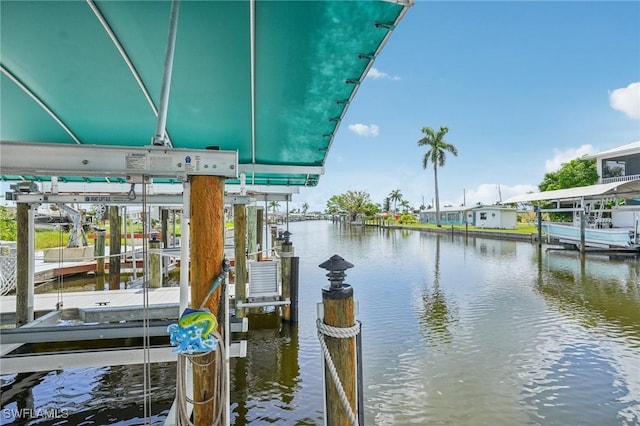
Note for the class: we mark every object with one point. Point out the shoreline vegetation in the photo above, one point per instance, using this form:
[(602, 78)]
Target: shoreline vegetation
[(523, 231)]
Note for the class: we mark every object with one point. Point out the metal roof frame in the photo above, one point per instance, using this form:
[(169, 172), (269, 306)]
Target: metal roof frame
[(270, 80), (613, 189)]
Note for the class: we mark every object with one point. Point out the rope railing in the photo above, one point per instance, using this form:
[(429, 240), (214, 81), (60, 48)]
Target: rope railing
[(338, 333)]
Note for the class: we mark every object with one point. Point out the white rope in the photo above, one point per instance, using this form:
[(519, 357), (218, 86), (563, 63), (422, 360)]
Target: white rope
[(339, 333), (183, 416)]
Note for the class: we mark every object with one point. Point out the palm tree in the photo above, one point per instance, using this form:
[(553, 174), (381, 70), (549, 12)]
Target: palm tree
[(395, 196), (436, 154), (406, 206), (274, 206), (305, 208)]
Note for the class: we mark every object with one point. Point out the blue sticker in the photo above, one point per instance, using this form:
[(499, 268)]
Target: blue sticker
[(187, 159)]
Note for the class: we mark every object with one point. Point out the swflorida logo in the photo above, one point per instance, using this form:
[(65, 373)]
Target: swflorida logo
[(34, 413)]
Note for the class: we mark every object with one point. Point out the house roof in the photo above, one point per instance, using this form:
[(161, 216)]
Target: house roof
[(627, 149), (620, 189), (270, 80)]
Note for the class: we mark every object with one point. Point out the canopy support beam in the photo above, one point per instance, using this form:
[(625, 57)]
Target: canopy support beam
[(160, 136), (125, 57), (39, 101)]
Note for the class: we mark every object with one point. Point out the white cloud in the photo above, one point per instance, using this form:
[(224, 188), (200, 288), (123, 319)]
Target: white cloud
[(491, 193), (562, 157), (370, 131), (627, 100), (376, 74)]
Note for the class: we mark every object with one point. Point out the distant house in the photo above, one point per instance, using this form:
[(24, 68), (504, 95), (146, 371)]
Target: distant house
[(448, 215), (495, 217), (620, 164)]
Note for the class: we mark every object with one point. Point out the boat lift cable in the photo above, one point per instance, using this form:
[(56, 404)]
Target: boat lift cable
[(146, 318), (60, 279)]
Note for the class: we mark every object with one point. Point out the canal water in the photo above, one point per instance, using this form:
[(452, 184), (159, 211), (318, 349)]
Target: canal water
[(455, 332)]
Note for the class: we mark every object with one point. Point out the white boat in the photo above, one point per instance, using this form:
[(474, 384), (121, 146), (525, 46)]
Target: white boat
[(593, 237), (604, 228)]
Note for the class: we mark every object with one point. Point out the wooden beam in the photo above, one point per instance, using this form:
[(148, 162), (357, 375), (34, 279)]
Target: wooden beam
[(22, 263), (240, 240), (207, 253), (114, 248)]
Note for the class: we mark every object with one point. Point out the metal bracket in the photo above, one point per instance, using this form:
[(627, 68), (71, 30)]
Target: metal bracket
[(114, 161)]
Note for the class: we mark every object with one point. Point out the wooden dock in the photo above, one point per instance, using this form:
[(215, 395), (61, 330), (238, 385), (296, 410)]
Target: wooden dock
[(86, 300)]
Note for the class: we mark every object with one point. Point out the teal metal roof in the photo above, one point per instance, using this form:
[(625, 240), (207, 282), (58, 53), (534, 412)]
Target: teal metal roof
[(64, 80)]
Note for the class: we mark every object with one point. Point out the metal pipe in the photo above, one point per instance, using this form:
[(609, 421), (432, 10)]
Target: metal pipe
[(185, 245), (261, 304), (360, 378), (252, 41), (159, 138), (32, 262)]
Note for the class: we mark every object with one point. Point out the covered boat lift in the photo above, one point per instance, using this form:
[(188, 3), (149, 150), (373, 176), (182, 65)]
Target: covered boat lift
[(197, 94), (587, 202)]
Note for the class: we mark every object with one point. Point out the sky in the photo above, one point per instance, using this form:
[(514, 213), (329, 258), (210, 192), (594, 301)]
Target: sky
[(522, 86)]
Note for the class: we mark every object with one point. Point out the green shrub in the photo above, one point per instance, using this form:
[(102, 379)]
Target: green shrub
[(407, 218), (8, 225)]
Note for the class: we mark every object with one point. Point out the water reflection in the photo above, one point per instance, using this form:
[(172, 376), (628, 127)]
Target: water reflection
[(456, 331), (437, 314), (89, 396), (599, 290), (266, 383)]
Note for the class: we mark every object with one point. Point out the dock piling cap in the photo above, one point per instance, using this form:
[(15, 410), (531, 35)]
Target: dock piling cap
[(336, 265)]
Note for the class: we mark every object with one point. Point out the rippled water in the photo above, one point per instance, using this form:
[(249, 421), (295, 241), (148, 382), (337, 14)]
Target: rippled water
[(455, 332)]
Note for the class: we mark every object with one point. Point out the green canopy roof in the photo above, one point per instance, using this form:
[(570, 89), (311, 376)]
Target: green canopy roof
[(268, 79)]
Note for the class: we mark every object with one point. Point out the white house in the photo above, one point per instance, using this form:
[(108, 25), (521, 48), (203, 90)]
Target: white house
[(496, 217), (619, 164)]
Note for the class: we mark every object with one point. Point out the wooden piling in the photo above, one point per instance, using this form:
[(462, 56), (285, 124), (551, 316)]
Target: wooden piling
[(582, 231), (252, 232), (274, 235), (164, 236), (339, 312), (294, 284), (22, 264), (155, 264), (114, 248), (207, 253), (240, 241), (99, 255), (539, 218), (260, 229), (285, 273)]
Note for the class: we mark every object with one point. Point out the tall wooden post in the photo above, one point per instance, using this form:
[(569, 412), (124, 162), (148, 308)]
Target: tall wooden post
[(260, 229), (99, 255), (286, 254), (115, 248), (207, 253), (240, 239), (22, 264), (582, 231), (338, 309), (164, 236), (539, 218), (274, 234), (294, 285), (252, 232), (155, 263)]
